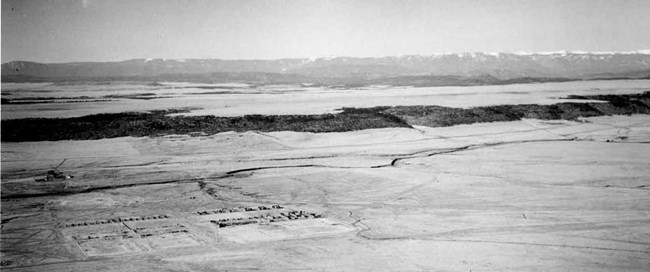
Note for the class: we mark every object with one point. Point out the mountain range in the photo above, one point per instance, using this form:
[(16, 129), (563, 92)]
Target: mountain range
[(416, 70)]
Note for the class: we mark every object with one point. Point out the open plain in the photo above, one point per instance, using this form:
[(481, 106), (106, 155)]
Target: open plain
[(528, 195)]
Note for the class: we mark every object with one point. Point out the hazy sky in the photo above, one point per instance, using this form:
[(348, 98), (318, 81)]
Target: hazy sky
[(112, 30)]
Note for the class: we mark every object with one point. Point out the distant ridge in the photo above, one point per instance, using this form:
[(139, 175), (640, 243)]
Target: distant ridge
[(642, 52), (463, 68)]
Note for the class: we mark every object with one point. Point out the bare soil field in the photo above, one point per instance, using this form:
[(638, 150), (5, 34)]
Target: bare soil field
[(525, 195)]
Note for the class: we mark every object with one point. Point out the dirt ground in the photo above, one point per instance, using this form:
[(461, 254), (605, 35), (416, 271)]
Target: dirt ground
[(514, 196)]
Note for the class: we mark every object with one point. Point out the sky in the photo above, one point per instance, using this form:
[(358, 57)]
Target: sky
[(114, 30)]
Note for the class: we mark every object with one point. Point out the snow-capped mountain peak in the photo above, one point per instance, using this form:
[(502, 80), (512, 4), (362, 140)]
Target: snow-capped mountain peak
[(565, 64)]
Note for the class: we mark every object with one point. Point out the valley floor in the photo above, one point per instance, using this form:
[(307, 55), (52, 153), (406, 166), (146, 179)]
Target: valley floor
[(526, 195)]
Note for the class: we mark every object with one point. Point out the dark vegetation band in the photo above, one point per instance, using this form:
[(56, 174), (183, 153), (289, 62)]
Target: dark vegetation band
[(156, 123)]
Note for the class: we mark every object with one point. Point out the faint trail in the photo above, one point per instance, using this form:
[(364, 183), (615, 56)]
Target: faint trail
[(229, 173), (99, 188), (550, 129), (360, 234), (538, 244), (358, 224), (8, 219), (298, 158), (23, 239), (572, 226), (134, 165), (469, 147)]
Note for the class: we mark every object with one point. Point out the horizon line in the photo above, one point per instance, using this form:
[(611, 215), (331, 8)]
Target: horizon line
[(517, 53)]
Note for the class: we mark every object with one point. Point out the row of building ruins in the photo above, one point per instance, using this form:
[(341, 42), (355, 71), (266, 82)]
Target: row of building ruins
[(262, 219), (241, 209), (132, 231), (116, 220)]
